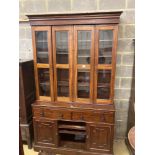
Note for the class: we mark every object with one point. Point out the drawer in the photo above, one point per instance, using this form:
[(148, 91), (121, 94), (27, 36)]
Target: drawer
[(57, 114), (38, 112), (107, 117), (86, 116)]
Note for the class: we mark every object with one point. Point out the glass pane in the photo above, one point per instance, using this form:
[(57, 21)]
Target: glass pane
[(62, 47), (63, 82), (44, 81), (83, 85), (84, 47), (41, 46), (105, 46), (103, 84)]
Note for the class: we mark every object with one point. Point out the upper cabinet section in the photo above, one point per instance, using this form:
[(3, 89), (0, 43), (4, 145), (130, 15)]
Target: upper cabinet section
[(75, 56)]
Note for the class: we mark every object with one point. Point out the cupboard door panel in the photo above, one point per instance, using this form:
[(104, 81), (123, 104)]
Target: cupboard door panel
[(62, 49), (42, 47), (105, 55), (103, 84), (63, 82), (83, 63), (83, 86), (105, 46), (62, 58), (43, 64), (44, 81), (84, 47), (45, 132), (99, 137)]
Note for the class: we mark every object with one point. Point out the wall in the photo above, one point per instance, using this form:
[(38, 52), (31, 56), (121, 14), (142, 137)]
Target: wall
[(125, 50)]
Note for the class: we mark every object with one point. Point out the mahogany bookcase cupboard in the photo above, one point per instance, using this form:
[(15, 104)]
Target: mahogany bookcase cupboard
[(74, 63)]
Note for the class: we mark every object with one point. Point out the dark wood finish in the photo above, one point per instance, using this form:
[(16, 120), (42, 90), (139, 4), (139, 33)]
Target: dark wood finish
[(45, 132), (26, 98), (100, 137), (76, 125), (75, 19)]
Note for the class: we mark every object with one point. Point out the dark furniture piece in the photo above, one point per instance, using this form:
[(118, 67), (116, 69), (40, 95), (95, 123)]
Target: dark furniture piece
[(131, 111), (26, 98), (74, 62)]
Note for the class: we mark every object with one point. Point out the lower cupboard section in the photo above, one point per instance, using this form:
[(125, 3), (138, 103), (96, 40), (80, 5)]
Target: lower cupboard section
[(82, 136)]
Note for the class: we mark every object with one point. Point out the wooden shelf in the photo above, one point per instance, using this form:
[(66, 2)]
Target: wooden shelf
[(83, 84), (72, 132), (63, 83), (103, 85), (83, 56), (72, 127)]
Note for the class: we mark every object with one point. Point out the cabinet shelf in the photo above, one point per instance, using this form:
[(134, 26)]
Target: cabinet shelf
[(84, 40), (63, 83), (41, 41), (106, 40), (83, 84), (72, 132), (42, 52), (63, 53), (72, 127), (103, 85), (83, 56)]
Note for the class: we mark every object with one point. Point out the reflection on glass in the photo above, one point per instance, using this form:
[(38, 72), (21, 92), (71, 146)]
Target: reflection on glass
[(83, 86), (103, 84), (41, 46), (105, 46), (44, 81), (62, 47), (63, 82), (84, 47)]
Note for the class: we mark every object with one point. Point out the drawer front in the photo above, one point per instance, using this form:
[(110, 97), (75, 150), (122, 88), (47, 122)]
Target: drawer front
[(91, 117), (86, 116), (38, 112), (107, 117), (77, 116), (62, 115), (51, 113)]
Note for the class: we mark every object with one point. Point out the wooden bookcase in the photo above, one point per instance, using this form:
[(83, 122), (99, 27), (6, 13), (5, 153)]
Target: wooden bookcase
[(74, 63)]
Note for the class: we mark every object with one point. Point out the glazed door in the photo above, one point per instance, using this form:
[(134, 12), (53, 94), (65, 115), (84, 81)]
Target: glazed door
[(83, 63), (105, 53), (62, 39), (99, 137), (43, 62), (45, 132)]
